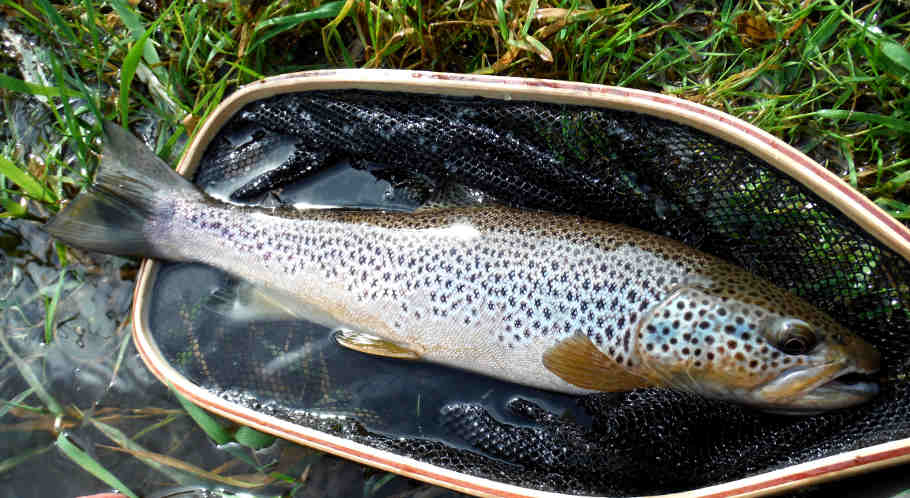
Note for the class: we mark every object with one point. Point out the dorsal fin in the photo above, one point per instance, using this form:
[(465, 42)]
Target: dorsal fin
[(579, 362)]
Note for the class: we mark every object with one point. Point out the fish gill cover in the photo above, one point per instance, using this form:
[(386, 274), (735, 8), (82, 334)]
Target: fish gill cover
[(612, 165)]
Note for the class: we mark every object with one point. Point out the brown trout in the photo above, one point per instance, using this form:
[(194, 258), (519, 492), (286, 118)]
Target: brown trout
[(552, 301)]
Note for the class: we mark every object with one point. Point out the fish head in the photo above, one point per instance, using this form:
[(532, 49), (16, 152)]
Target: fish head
[(749, 342)]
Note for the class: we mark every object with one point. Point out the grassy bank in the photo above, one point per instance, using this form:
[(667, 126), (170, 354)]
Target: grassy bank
[(830, 78)]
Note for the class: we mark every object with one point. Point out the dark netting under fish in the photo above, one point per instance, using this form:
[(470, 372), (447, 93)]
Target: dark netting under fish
[(398, 151)]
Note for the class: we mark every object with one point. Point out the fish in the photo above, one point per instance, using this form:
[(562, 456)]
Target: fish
[(553, 301)]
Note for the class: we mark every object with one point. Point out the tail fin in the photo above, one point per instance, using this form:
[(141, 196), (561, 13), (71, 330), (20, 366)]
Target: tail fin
[(132, 191)]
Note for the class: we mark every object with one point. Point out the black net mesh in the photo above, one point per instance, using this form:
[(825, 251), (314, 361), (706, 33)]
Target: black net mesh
[(618, 166)]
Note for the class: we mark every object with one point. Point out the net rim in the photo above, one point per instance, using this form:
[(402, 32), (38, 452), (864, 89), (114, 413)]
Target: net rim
[(774, 151)]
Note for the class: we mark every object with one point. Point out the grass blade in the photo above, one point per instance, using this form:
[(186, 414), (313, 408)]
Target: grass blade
[(532, 10), (51, 308), (327, 10), (331, 28), (30, 185), (889, 121), (11, 462), (192, 469), (30, 378), (90, 465), (26, 88), (252, 438), (897, 53), (11, 208), (15, 401), (822, 33), (134, 23), (128, 72), (205, 421), (117, 436), (897, 208), (71, 123), (501, 19), (54, 16)]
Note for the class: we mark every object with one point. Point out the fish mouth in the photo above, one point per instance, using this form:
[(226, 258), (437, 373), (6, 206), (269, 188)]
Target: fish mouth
[(814, 390), (855, 383)]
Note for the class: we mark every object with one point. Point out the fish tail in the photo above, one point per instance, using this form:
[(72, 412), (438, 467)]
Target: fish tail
[(124, 210)]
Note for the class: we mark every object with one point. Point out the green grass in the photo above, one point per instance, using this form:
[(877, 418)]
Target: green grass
[(831, 77)]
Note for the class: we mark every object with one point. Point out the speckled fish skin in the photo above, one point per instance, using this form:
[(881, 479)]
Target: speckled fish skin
[(487, 289), (492, 289), (506, 292)]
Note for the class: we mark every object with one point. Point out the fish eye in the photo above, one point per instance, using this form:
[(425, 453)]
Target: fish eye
[(795, 337)]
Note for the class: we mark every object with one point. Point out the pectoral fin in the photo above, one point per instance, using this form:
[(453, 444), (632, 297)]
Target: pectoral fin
[(370, 344), (248, 302), (579, 362)]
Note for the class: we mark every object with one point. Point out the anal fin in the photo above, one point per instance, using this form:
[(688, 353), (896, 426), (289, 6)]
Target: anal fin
[(370, 344), (579, 362)]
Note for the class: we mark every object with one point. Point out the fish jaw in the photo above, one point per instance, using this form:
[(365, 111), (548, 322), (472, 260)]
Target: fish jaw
[(814, 390), (821, 388)]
